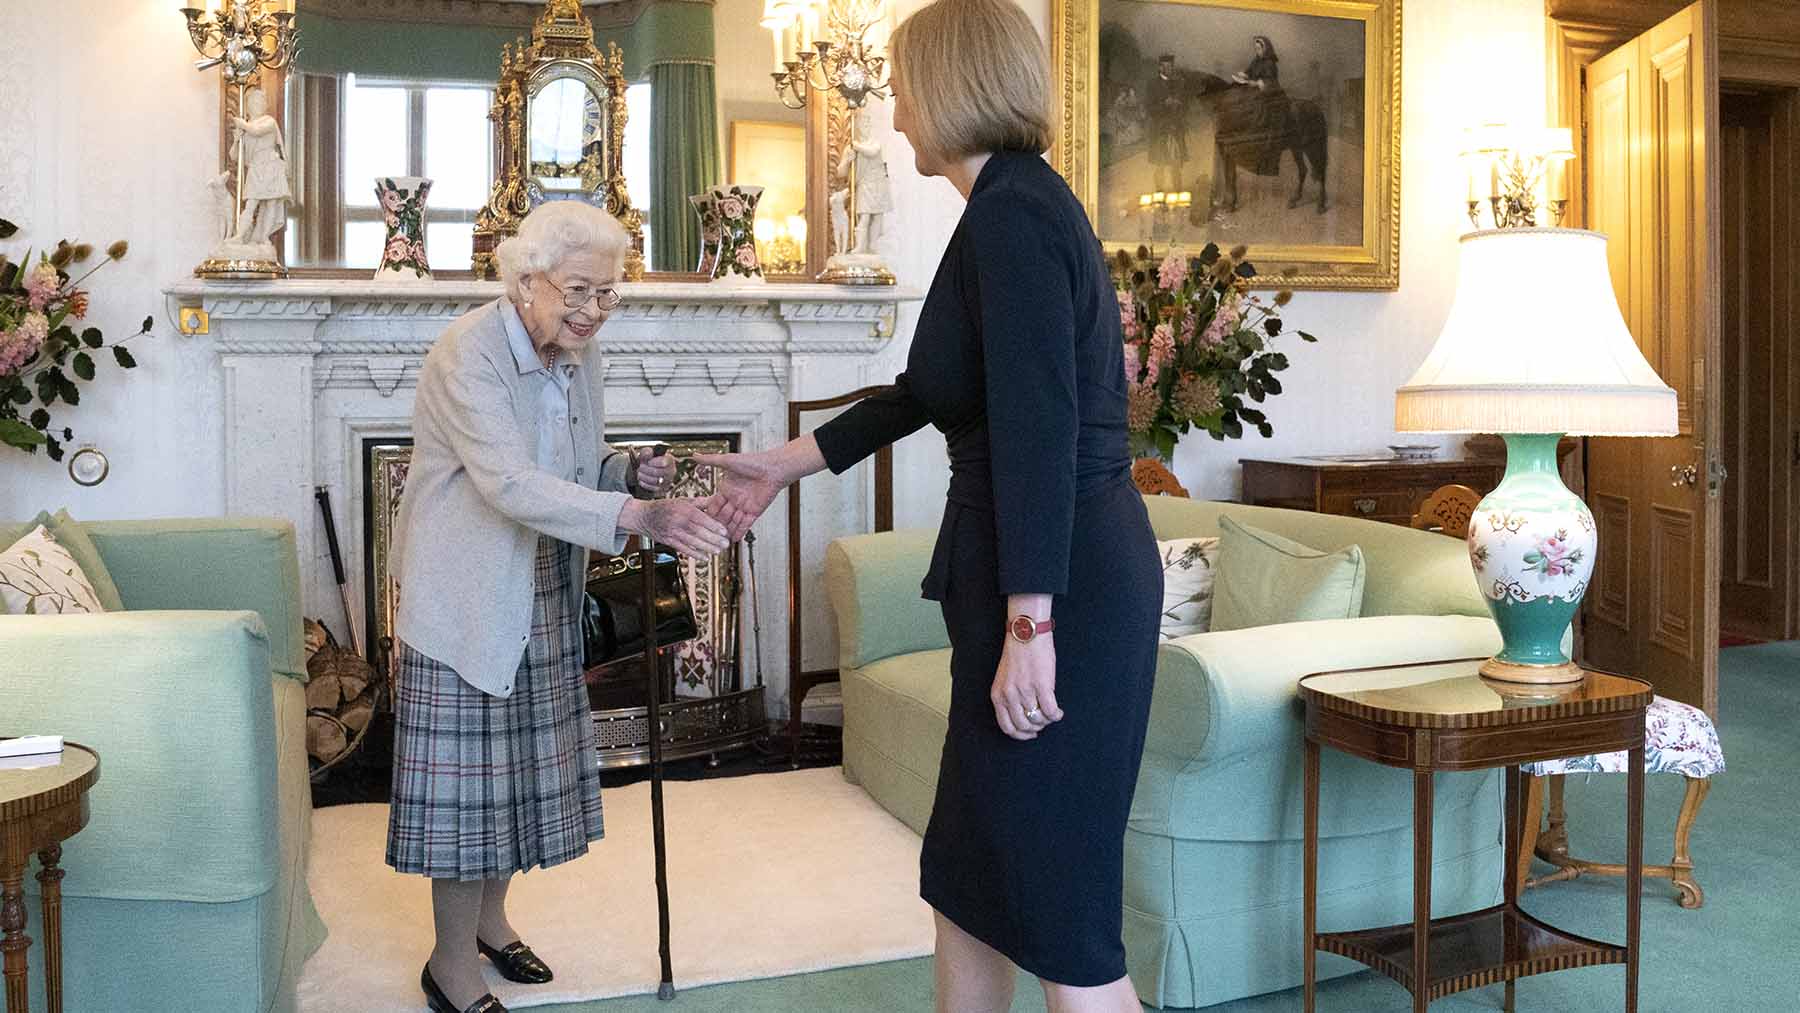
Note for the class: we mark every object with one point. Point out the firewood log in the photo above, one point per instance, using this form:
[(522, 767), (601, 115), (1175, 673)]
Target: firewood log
[(355, 716), (325, 738), (323, 692)]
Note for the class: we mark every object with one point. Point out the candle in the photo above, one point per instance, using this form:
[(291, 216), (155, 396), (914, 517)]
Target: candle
[(775, 35), (1494, 177), (812, 25)]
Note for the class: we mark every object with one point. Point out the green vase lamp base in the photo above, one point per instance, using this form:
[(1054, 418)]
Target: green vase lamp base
[(1532, 543)]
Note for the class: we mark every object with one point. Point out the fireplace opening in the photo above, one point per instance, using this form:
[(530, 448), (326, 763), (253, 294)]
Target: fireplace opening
[(712, 703)]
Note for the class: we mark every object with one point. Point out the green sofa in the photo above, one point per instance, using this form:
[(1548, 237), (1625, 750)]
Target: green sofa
[(187, 890), (1213, 848)]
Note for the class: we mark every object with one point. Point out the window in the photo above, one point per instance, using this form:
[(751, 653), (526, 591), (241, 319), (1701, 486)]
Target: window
[(637, 153), (439, 131)]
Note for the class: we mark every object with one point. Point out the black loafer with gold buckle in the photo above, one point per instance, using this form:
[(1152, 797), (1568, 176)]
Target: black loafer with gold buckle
[(440, 1003), (516, 962)]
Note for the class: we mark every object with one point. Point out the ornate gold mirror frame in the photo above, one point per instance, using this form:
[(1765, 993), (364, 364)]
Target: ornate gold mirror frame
[(562, 47)]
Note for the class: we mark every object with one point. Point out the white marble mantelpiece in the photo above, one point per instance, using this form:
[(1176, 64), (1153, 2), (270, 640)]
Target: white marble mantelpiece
[(313, 368)]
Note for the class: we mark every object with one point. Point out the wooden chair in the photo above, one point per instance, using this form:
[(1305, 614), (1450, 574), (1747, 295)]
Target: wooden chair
[(1448, 510), (802, 682)]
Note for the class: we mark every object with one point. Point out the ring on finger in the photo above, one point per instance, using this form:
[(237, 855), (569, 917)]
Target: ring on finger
[(1033, 714)]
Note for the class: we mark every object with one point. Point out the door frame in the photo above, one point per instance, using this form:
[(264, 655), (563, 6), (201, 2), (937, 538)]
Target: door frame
[(1759, 49)]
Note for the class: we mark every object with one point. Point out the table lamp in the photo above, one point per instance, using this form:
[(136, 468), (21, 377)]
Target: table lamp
[(1534, 348)]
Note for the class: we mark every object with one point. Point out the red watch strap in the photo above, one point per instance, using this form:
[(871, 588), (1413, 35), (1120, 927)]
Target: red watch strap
[(1023, 628)]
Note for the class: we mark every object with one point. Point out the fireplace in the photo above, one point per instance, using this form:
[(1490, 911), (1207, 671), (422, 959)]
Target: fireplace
[(315, 375), (710, 706)]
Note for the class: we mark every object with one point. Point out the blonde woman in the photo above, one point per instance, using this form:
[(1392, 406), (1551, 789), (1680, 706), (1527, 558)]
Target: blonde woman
[(1016, 359), (511, 483)]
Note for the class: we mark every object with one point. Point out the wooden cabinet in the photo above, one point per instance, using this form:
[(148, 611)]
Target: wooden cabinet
[(1379, 489)]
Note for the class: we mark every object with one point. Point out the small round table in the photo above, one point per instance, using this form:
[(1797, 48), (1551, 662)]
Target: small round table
[(40, 807), (1446, 716)]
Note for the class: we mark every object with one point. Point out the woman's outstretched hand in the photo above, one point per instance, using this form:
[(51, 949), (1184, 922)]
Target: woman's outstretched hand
[(748, 483), (686, 524)]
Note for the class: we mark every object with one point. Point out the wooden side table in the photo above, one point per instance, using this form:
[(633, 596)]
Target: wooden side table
[(1446, 716), (40, 807)]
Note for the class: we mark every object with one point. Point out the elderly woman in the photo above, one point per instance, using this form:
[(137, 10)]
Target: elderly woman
[(1016, 358), (511, 484)]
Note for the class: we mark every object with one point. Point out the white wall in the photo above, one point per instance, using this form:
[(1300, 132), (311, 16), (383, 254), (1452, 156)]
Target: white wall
[(105, 131)]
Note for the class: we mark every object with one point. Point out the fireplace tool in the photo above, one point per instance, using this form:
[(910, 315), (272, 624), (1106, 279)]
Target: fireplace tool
[(665, 990)]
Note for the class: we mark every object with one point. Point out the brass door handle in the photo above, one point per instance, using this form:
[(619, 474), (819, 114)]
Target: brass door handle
[(1684, 474)]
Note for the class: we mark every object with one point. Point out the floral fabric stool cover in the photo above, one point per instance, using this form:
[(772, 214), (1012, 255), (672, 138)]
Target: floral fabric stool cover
[(1678, 739)]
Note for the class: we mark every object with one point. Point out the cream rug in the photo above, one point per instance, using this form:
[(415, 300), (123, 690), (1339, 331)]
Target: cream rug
[(769, 875)]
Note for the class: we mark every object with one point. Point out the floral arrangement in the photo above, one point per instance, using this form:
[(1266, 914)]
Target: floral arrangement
[(39, 346), (1196, 345)]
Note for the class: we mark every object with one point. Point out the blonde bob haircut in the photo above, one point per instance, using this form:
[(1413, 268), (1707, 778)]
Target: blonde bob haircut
[(553, 232), (976, 76)]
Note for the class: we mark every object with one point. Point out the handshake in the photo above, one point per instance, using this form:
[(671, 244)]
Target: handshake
[(747, 484)]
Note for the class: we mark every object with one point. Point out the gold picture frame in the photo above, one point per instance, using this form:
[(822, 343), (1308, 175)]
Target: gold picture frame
[(1347, 237)]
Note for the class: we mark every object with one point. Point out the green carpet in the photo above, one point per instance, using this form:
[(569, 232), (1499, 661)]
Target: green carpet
[(1735, 955)]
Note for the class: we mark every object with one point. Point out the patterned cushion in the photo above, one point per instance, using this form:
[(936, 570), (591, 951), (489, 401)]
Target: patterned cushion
[(39, 577), (1187, 585), (1678, 739)]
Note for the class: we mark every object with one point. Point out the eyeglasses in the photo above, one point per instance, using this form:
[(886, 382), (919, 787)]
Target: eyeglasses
[(577, 296)]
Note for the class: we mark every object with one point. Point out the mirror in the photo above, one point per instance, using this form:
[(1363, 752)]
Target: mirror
[(567, 135), (406, 87)]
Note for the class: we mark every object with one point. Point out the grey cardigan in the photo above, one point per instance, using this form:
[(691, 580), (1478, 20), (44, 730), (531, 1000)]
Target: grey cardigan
[(465, 540)]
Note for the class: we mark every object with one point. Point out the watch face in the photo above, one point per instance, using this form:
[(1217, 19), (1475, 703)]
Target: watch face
[(1023, 628)]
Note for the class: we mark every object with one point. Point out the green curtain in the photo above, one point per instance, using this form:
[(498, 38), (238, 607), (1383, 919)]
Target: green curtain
[(684, 149)]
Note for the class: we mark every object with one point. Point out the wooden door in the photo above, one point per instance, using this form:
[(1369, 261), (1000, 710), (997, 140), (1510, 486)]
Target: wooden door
[(1651, 136), (1755, 355)]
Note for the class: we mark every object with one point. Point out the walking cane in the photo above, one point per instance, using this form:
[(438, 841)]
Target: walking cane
[(666, 990)]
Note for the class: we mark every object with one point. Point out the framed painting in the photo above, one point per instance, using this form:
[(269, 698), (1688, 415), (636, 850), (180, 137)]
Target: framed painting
[(1269, 123)]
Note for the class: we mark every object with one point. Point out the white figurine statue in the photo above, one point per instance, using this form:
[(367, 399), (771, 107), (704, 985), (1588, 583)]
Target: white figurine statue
[(861, 264), (260, 162)]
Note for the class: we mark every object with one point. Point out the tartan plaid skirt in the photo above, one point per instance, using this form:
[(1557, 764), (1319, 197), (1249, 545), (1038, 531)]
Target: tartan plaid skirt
[(483, 786)]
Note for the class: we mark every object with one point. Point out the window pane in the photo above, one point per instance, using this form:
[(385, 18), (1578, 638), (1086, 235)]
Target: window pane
[(362, 243), (458, 148), (637, 148), (450, 246), (374, 140)]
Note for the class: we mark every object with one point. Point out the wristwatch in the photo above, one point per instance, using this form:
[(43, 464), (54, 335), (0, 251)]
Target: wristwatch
[(1024, 629)]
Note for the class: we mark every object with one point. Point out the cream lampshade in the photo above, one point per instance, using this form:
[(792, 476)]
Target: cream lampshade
[(1534, 347)]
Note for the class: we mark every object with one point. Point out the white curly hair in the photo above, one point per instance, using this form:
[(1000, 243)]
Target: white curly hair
[(552, 232)]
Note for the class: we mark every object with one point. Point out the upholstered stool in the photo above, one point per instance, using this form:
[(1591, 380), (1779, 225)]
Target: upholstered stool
[(1678, 739)]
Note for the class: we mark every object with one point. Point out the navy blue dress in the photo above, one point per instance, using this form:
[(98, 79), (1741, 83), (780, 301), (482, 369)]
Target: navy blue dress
[(1017, 359)]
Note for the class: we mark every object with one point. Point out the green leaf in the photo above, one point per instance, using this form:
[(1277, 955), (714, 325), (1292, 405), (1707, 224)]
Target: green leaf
[(7, 229), (1233, 428), (1272, 325), (14, 433), (70, 392), (1272, 385), (1165, 444), (40, 419), (145, 327), (1244, 270), (1262, 428), (20, 393), (84, 366), (47, 389), (92, 337), (1252, 415), (1306, 337), (123, 357), (53, 448), (1210, 254), (1274, 362)]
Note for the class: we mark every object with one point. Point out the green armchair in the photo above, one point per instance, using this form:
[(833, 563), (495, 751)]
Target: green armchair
[(1213, 847), (187, 890)]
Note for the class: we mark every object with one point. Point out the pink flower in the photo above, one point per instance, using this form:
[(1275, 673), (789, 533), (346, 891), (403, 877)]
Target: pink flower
[(1225, 321), (42, 286), (19, 345), (393, 222), (731, 207), (709, 235), (391, 200), (1127, 310), (398, 250), (1172, 272), (1162, 342), (1187, 328), (1141, 403), (418, 252), (1132, 330), (746, 257), (1133, 362)]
